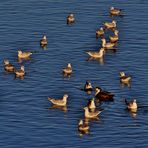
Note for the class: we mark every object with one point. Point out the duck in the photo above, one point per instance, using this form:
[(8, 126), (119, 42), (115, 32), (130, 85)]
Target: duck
[(70, 18), (103, 95), (59, 102), (131, 105), (88, 86), (96, 54), (115, 11), (124, 79), (99, 32), (43, 41), (114, 38), (8, 66), (110, 25), (23, 55), (89, 114), (91, 105), (82, 126), (68, 69), (20, 72), (108, 45)]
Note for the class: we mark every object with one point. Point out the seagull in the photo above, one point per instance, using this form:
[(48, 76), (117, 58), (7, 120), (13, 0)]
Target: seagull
[(59, 102), (89, 114)]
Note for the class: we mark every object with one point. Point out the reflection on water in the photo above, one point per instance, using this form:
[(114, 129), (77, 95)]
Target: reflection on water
[(122, 85), (20, 60), (62, 108), (100, 60)]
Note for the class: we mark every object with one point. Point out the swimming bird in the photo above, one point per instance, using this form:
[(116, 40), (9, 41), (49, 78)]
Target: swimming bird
[(115, 11), (110, 25), (43, 41), (114, 38), (70, 19), (89, 114), (91, 105), (24, 55), (103, 95), (108, 45), (20, 72), (124, 79), (99, 32), (82, 126), (8, 66), (132, 105), (67, 70), (59, 102), (88, 86), (96, 54)]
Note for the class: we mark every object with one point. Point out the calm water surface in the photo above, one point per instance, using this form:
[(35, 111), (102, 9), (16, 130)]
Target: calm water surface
[(26, 119)]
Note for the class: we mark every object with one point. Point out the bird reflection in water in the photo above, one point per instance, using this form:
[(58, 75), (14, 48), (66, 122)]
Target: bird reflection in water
[(62, 108), (128, 84), (100, 60), (20, 60)]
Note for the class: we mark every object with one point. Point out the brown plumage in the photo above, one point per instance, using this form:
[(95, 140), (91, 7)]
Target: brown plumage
[(103, 95), (83, 127), (8, 66), (70, 19), (59, 102), (43, 41), (67, 70), (20, 72), (110, 25), (131, 105), (115, 11), (115, 37), (124, 79), (24, 54), (99, 32), (89, 114)]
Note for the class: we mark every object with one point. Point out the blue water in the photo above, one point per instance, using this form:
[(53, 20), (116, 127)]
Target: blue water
[(26, 119)]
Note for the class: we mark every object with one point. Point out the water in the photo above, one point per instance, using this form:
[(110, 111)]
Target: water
[(25, 117)]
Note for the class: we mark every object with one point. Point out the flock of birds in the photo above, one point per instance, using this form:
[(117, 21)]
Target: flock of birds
[(90, 110)]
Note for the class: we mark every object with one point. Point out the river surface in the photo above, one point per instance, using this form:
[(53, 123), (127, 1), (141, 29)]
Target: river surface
[(26, 117)]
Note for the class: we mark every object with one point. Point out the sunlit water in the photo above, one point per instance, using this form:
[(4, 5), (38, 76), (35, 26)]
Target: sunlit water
[(26, 117)]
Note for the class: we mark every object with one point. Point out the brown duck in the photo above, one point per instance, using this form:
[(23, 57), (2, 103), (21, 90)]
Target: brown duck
[(8, 66), (103, 95), (70, 19)]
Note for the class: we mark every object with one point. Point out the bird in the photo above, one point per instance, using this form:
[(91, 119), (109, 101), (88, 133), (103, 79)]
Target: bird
[(108, 45), (103, 95), (88, 86), (23, 55), (8, 66), (96, 54), (99, 32), (67, 70), (91, 105), (114, 38), (115, 11), (132, 105), (89, 114), (83, 126), (124, 79), (59, 102), (43, 41), (110, 25), (70, 18), (20, 72)]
